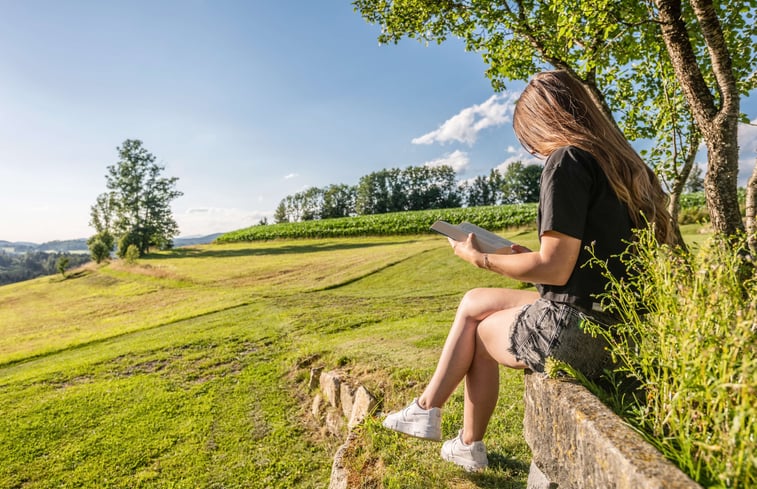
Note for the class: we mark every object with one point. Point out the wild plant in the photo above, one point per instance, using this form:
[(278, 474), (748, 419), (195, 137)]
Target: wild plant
[(687, 339)]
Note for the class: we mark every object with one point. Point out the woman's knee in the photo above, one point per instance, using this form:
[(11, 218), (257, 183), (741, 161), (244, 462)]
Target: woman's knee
[(481, 302), (476, 302)]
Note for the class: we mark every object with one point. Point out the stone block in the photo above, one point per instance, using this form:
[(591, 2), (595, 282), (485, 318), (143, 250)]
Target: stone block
[(364, 405), (339, 472), (578, 442), (537, 479), (335, 423), (315, 408), (346, 398), (315, 377), (330, 383)]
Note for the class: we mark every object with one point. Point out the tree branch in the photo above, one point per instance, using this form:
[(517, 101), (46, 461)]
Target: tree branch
[(560, 63), (722, 65), (684, 59)]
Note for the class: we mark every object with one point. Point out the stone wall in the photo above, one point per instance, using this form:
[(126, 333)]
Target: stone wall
[(339, 405), (579, 443), (576, 441)]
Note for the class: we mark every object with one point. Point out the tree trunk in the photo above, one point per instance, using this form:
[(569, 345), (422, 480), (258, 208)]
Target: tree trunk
[(717, 124), (751, 201), (674, 206), (720, 183)]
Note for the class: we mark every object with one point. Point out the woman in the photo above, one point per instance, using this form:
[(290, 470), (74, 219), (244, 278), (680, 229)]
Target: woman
[(595, 190)]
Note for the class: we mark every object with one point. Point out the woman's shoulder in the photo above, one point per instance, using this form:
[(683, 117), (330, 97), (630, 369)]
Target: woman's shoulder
[(570, 158), (570, 154)]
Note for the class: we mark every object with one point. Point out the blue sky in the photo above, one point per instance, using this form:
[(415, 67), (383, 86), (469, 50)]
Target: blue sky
[(244, 102)]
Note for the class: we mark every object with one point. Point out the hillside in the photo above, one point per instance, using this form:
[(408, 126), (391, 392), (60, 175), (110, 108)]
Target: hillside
[(21, 261), (188, 368), (80, 245)]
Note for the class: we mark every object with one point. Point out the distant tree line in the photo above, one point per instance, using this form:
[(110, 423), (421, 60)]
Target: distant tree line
[(20, 267), (410, 189)]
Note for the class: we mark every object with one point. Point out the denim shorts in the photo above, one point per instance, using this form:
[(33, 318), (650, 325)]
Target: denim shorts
[(553, 329)]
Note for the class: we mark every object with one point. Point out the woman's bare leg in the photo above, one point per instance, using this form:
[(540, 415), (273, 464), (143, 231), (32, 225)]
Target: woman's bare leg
[(482, 380), (458, 352)]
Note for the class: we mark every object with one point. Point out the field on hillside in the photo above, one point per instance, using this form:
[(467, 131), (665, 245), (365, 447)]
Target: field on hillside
[(186, 369), (189, 368)]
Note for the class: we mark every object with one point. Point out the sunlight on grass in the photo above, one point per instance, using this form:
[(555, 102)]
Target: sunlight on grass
[(184, 370), (48, 315), (176, 368)]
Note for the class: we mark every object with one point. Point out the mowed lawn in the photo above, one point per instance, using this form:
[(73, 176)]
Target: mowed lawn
[(189, 368)]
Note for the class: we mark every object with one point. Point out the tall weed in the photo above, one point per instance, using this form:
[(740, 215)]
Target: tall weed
[(687, 339)]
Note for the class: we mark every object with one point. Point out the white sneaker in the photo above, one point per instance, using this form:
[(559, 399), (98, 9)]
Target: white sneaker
[(471, 457), (416, 421)]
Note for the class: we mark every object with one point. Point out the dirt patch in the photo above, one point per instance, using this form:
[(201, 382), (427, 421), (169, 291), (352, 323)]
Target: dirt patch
[(147, 270)]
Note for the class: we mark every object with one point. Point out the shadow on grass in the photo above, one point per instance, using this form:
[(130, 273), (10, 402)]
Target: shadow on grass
[(77, 274), (503, 473), (190, 252)]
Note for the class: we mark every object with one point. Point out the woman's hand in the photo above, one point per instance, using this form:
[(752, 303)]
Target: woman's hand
[(516, 248), (468, 250)]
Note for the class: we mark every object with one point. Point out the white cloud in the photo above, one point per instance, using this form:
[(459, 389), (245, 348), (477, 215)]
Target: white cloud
[(748, 139), (458, 160), (291, 176), (466, 124), (518, 155), (201, 221), (747, 151)]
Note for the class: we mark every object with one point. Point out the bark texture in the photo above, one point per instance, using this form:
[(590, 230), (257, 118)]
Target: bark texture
[(751, 202), (717, 118)]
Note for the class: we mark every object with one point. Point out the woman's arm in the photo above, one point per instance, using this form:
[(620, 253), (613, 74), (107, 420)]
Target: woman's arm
[(552, 264)]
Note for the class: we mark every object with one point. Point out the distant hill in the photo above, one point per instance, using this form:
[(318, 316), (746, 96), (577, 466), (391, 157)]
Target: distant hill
[(19, 247), (21, 260), (195, 240), (76, 246), (67, 246)]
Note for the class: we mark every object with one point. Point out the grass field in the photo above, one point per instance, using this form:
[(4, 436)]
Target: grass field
[(186, 369), (189, 368)]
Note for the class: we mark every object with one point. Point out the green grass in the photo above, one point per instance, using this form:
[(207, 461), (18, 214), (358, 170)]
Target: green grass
[(188, 369)]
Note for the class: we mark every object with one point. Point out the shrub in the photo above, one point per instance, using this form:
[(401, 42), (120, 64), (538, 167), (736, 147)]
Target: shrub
[(693, 356), (131, 238), (694, 199), (98, 250), (107, 239), (694, 215), (694, 208), (132, 254), (62, 265), (100, 245)]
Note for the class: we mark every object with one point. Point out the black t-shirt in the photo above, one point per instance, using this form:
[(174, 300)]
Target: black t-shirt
[(576, 199)]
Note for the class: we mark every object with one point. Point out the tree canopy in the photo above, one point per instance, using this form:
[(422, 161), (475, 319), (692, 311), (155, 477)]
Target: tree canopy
[(411, 189), (136, 209), (668, 71)]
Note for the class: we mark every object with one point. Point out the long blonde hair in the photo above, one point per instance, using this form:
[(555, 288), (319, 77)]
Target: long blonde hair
[(555, 110)]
